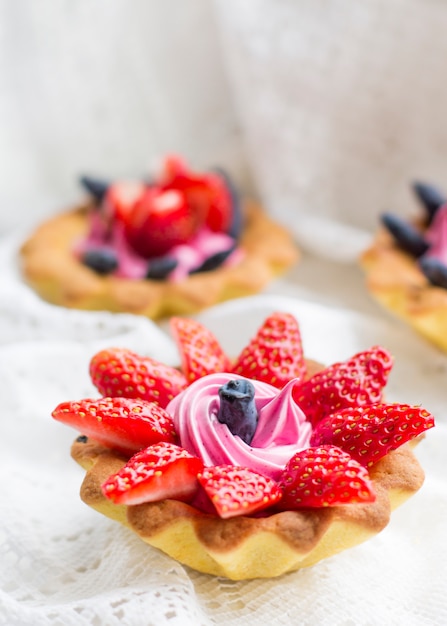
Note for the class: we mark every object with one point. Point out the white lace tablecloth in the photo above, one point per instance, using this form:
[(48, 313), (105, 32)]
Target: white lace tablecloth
[(62, 564)]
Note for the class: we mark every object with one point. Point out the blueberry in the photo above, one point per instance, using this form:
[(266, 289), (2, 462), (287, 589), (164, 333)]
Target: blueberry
[(214, 261), (82, 439), (237, 220), (237, 408), (406, 235), (160, 267), (96, 188), (102, 260), (434, 271), (430, 197)]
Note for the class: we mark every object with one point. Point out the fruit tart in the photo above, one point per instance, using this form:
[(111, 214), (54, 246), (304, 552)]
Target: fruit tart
[(249, 467), (406, 265), (169, 246)]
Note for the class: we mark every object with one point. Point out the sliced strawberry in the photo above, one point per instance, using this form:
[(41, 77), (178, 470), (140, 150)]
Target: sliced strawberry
[(122, 197), (161, 471), (358, 381), (275, 354), (220, 210), (368, 433), (173, 167), (237, 490), (200, 351), (121, 372), (119, 423), (207, 194), (161, 219), (324, 476)]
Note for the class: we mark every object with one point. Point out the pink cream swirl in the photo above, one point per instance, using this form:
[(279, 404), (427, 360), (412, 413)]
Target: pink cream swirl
[(436, 236), (281, 431)]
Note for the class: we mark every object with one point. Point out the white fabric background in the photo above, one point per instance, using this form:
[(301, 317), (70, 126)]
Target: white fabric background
[(342, 105), (326, 109), (62, 564), (106, 87)]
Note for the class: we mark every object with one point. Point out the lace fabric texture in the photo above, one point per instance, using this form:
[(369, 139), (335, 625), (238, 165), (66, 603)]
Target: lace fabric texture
[(339, 104), (62, 564)]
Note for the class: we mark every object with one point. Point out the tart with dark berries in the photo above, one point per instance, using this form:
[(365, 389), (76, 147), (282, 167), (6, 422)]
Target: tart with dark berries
[(174, 245), (245, 468), (406, 265)]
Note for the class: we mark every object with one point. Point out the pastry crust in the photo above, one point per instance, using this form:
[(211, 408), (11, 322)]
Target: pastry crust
[(49, 266), (394, 279), (251, 547)]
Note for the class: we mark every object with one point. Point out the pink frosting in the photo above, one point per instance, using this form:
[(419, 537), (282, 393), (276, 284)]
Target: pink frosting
[(131, 265), (192, 254), (281, 431), (436, 236)]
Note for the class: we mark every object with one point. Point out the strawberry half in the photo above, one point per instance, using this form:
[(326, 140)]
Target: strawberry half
[(237, 490), (324, 476), (121, 372), (200, 352), (119, 423), (161, 471), (369, 433), (122, 198), (220, 209), (356, 382), (206, 194), (275, 354), (161, 219), (174, 166)]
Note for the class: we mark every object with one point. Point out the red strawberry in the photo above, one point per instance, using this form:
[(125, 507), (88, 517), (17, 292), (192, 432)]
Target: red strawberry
[(275, 354), (368, 433), (207, 194), (119, 423), (200, 352), (324, 476), (356, 382), (237, 490), (173, 167), (121, 372), (161, 471), (122, 197), (161, 219), (220, 210)]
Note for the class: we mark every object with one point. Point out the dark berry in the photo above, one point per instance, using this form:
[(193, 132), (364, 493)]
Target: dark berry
[(237, 408), (82, 439), (214, 261), (405, 235), (434, 271), (430, 197), (160, 267), (95, 187), (235, 228), (102, 260)]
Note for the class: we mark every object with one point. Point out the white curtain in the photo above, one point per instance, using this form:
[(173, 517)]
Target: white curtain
[(106, 87), (332, 108)]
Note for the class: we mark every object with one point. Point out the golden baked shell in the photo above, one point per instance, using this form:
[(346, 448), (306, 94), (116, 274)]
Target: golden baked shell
[(251, 547), (50, 267)]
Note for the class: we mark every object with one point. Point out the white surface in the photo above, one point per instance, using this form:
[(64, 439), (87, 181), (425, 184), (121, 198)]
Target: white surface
[(62, 564)]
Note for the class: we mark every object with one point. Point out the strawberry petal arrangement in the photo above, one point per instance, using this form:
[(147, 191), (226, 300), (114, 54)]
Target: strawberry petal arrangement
[(406, 265), (247, 467), (174, 244)]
